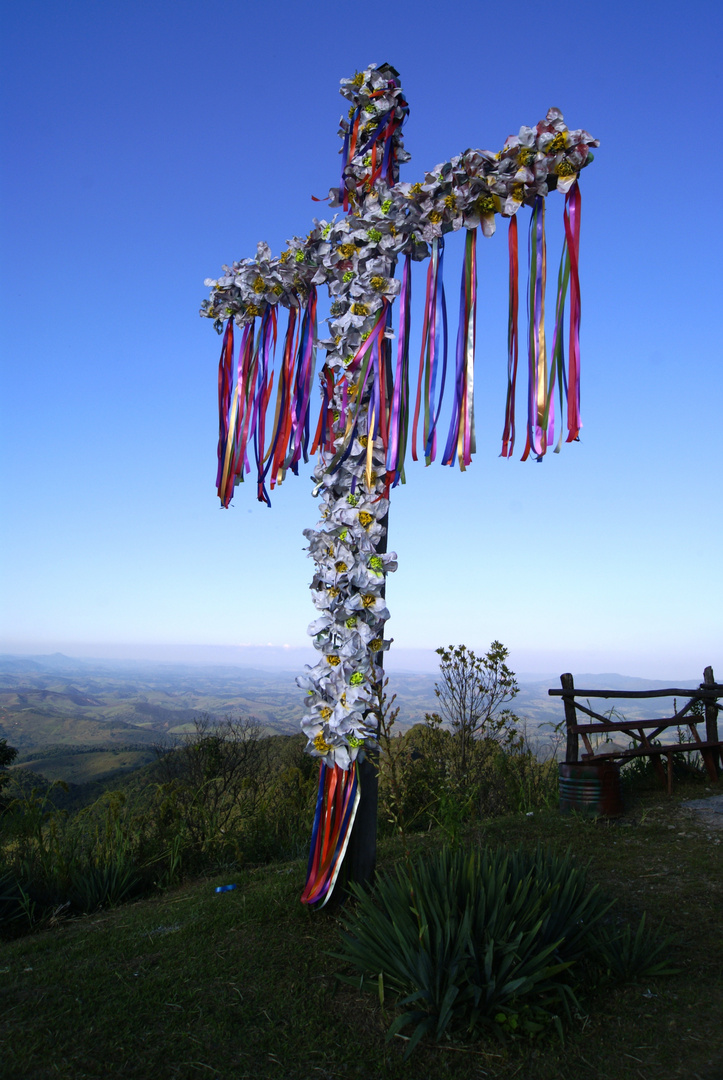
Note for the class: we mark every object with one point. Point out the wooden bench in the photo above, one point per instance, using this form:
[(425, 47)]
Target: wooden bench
[(645, 731)]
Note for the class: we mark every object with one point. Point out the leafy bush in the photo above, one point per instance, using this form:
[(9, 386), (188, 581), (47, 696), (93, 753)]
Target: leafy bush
[(474, 940)]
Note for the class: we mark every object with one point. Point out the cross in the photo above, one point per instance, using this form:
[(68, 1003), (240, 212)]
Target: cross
[(368, 416)]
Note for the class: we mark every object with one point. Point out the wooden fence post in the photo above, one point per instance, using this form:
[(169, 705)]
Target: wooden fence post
[(573, 745), (711, 720)]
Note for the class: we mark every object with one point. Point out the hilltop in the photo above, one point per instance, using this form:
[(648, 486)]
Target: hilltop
[(190, 983)]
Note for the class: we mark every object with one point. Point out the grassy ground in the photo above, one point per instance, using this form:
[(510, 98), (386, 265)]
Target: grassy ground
[(239, 985)]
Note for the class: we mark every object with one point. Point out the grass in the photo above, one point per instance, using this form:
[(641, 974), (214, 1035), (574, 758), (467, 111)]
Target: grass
[(240, 985)]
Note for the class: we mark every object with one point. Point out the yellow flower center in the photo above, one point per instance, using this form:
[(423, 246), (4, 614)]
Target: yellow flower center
[(378, 283), (564, 168), (333, 660), (365, 519), (333, 591), (518, 192), (415, 189), (485, 205), (359, 309), (259, 285), (368, 600), (325, 712), (321, 744), (252, 310), (558, 143), (375, 644), (451, 202), (346, 250), (435, 217), (340, 566)]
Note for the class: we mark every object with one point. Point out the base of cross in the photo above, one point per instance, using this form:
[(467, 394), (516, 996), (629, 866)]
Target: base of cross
[(344, 835), (359, 863)]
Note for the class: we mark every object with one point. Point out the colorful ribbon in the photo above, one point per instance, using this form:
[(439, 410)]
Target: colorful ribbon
[(536, 348), (399, 417), (336, 806), (461, 429), (508, 435), (434, 332), (572, 216)]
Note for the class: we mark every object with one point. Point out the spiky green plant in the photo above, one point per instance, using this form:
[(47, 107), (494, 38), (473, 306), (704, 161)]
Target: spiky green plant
[(106, 885), (474, 939), (626, 954)]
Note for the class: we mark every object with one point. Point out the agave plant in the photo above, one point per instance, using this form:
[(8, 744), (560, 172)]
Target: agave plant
[(474, 940)]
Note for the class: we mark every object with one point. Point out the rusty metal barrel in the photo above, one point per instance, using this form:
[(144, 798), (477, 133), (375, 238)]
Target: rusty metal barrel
[(594, 790)]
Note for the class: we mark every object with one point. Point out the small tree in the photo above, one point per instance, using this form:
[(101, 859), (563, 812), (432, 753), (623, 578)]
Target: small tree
[(471, 692)]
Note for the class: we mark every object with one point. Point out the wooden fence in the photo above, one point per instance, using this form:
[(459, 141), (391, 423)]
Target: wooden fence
[(644, 733)]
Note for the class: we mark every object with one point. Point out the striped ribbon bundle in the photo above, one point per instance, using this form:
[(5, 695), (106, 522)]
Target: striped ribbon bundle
[(433, 354), (336, 807), (540, 433), (243, 400)]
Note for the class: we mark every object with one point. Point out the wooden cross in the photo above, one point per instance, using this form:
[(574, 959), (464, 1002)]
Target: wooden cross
[(368, 417)]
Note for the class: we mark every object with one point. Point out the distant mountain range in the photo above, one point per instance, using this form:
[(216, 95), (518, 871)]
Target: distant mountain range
[(61, 701)]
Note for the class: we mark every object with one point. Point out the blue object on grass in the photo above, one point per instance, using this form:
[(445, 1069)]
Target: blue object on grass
[(224, 888)]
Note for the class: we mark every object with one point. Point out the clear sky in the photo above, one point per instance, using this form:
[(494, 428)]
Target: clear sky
[(146, 143)]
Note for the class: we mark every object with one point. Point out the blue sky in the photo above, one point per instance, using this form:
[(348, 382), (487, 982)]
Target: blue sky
[(151, 142)]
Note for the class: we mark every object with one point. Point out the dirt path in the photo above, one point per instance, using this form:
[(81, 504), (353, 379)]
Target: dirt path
[(708, 811)]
